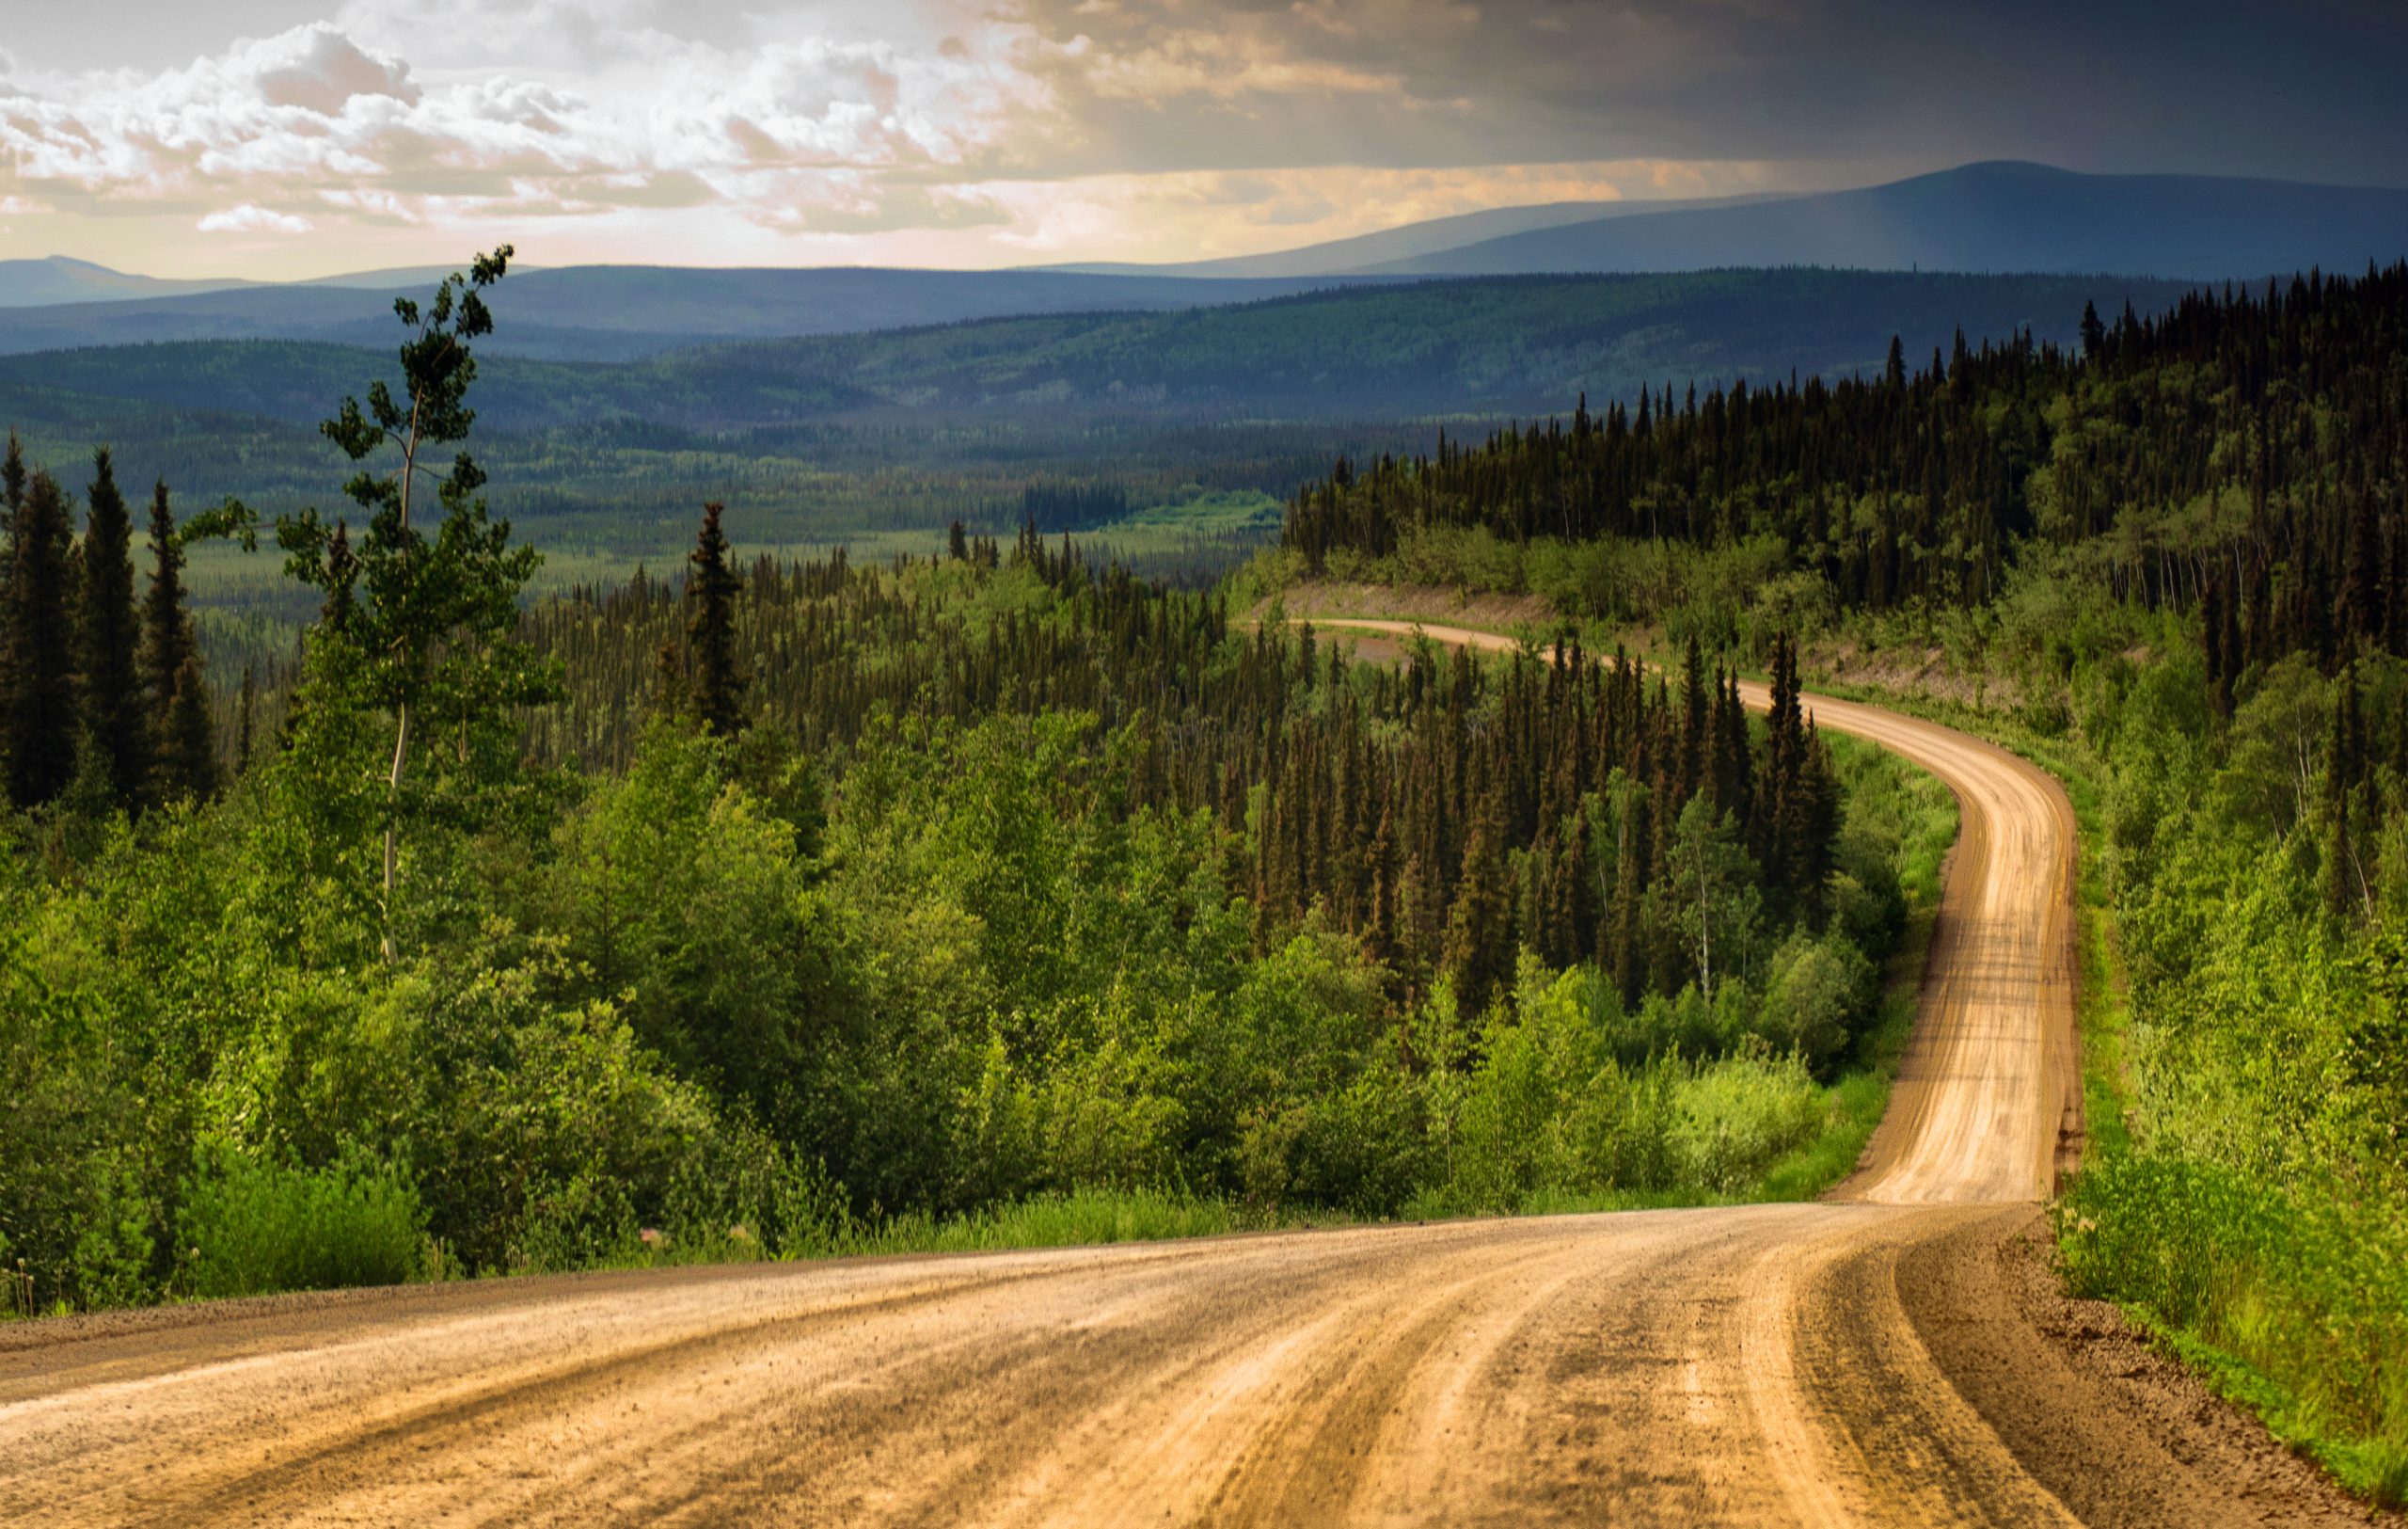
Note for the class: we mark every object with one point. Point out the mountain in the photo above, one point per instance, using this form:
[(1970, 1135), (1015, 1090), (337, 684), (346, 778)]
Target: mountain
[(1413, 240), (32, 284), (618, 313), (1485, 346), (1987, 217)]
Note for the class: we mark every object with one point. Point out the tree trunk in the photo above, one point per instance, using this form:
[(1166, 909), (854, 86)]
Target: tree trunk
[(401, 720)]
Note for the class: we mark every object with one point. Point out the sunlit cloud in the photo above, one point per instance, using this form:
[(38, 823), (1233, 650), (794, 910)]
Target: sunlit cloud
[(251, 218), (986, 132)]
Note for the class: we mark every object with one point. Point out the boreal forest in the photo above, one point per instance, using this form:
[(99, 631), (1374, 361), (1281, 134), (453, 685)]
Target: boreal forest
[(432, 919)]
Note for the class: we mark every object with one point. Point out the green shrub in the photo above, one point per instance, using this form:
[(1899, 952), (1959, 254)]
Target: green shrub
[(1737, 1116), (252, 1228)]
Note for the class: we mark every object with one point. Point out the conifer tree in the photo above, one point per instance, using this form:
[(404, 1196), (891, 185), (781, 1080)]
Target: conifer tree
[(184, 757), (1480, 931), (188, 753), (166, 626), (717, 688), (116, 709), (41, 722), (242, 735)]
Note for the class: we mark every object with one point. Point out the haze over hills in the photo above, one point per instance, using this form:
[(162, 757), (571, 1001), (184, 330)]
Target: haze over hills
[(1409, 240), (58, 281), (1471, 347), (618, 313), (1988, 217), (1998, 216)]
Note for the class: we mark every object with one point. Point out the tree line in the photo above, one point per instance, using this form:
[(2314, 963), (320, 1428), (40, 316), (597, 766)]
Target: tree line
[(2245, 447), (101, 693)]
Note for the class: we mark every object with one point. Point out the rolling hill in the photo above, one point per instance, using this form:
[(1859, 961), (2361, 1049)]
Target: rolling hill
[(1485, 346), (619, 313), (2001, 216)]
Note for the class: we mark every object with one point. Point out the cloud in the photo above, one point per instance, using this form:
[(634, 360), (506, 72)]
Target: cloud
[(783, 133), (252, 218), (1149, 128)]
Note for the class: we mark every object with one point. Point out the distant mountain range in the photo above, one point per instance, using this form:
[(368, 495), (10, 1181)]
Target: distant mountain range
[(1482, 347), (1414, 241), (620, 312), (2001, 218), (1991, 217), (59, 281)]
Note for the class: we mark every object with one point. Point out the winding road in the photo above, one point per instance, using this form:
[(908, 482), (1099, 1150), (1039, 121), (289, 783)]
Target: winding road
[(1832, 1363)]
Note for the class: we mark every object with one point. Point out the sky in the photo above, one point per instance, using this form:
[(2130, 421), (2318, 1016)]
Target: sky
[(288, 138)]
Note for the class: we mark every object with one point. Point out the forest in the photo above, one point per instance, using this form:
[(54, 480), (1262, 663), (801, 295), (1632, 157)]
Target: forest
[(808, 906), (994, 891), (2171, 563), (875, 438)]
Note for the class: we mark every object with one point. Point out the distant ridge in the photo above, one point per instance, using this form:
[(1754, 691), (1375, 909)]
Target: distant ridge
[(616, 313), (1413, 240), (2001, 216), (1988, 217), (56, 278)]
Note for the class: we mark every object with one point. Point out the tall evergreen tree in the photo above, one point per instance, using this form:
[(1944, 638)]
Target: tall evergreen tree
[(717, 688), (116, 712), (189, 751), (41, 722), (12, 475), (166, 626), (184, 760)]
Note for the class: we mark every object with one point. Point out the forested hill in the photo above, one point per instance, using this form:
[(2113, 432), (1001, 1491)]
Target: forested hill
[(2246, 448), (1487, 345)]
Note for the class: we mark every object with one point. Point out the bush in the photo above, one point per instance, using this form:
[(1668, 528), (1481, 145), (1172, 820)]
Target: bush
[(1819, 992), (254, 1228), (1738, 1115)]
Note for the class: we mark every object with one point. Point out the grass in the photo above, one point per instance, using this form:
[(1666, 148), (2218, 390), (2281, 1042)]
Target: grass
[(254, 1229), (2254, 1330)]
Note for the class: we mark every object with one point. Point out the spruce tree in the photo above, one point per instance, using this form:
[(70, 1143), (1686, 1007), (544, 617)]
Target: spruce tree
[(188, 753), (184, 760), (116, 711), (1480, 927), (243, 738), (717, 688), (41, 720), (167, 628)]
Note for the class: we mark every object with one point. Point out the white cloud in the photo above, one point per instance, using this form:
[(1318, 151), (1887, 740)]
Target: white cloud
[(712, 130), (784, 132), (252, 218)]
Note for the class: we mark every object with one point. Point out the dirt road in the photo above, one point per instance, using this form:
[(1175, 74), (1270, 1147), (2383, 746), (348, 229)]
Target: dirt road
[(1764, 1365)]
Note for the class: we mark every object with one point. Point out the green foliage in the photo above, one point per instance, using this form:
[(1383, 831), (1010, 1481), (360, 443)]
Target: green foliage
[(255, 1228)]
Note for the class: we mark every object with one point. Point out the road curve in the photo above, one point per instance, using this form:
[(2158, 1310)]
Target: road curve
[(1757, 1365)]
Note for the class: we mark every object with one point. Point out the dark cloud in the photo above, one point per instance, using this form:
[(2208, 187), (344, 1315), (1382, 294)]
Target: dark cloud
[(2306, 90)]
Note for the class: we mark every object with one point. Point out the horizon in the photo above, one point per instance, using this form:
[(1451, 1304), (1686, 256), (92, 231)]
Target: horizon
[(295, 139), (416, 268)]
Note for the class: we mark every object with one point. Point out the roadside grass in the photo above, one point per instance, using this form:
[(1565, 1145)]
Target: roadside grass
[(261, 1228), (2248, 1286)]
